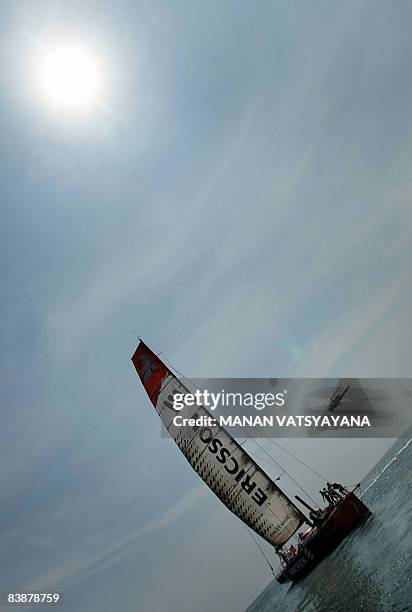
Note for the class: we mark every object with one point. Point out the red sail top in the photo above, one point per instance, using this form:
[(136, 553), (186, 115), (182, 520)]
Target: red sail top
[(151, 370)]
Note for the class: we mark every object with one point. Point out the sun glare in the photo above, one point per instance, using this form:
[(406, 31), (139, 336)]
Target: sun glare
[(69, 78)]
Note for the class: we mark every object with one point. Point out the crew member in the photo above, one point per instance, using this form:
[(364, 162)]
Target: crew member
[(334, 495), (340, 488), (325, 496)]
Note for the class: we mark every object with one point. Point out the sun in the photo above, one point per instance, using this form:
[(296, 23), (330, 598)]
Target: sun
[(69, 78)]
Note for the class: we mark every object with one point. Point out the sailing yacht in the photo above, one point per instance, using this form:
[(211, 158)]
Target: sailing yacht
[(242, 485)]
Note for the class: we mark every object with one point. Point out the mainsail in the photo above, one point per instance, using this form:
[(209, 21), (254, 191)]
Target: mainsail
[(219, 460)]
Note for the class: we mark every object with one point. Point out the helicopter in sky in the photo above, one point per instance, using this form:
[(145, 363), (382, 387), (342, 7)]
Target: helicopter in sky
[(337, 396)]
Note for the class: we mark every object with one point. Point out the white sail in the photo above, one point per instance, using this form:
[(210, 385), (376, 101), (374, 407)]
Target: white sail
[(220, 461)]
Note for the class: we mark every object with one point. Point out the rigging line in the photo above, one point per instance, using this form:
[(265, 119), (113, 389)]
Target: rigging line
[(258, 545), (172, 367), (271, 462), (300, 460), (286, 472), (267, 461)]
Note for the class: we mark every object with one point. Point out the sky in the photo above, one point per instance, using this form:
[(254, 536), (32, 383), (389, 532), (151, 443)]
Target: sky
[(239, 195)]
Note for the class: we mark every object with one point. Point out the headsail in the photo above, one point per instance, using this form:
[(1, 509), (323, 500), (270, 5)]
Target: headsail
[(219, 460)]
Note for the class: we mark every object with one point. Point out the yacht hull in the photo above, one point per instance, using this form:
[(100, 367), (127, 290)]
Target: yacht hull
[(347, 514)]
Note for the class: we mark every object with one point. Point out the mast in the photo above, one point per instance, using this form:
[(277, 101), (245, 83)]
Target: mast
[(229, 471)]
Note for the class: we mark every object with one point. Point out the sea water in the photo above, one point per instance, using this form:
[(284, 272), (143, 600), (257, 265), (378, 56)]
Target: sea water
[(371, 570)]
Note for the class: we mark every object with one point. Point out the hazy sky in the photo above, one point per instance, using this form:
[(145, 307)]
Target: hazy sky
[(240, 196)]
